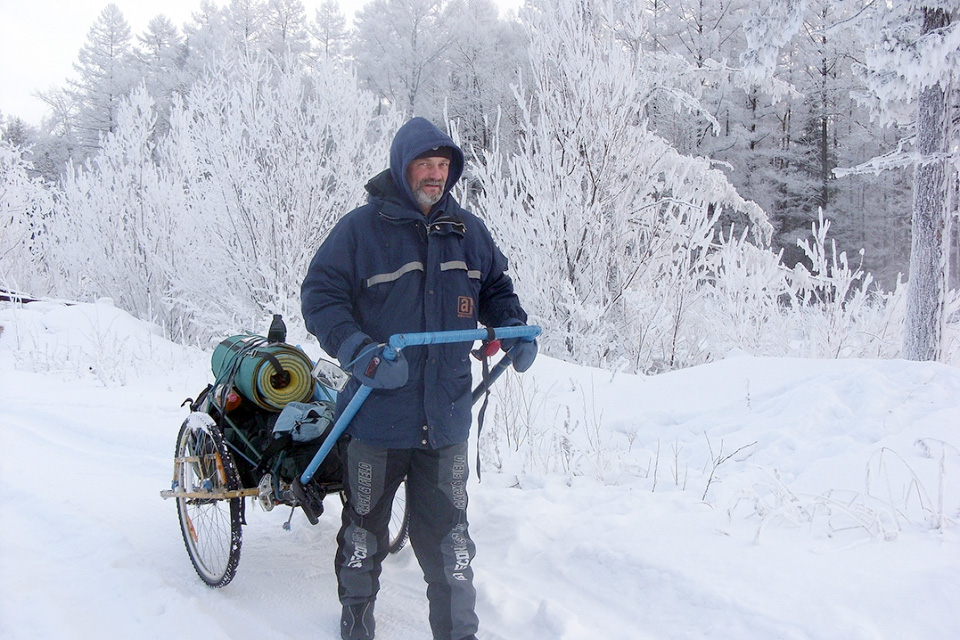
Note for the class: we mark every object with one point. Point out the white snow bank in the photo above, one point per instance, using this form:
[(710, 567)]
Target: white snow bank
[(749, 498)]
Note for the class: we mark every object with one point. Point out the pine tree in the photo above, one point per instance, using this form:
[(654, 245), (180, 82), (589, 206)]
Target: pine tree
[(911, 71), (329, 30), (161, 53), (400, 47), (926, 293), (285, 26), (482, 69), (105, 76)]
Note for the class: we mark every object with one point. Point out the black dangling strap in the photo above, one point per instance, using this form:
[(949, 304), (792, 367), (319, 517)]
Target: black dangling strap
[(276, 446), (483, 407)]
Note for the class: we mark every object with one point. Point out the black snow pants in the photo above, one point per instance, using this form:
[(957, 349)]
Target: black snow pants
[(437, 504)]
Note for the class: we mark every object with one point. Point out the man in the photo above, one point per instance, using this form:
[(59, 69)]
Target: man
[(410, 260)]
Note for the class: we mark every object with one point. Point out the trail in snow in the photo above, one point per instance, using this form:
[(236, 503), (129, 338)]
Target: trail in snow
[(620, 547)]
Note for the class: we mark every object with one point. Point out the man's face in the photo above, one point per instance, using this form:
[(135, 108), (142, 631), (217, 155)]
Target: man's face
[(427, 177)]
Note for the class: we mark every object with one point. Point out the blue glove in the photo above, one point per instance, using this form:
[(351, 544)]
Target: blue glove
[(523, 351), (364, 359), (372, 369)]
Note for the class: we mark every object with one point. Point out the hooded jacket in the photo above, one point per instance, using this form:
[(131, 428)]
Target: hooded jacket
[(385, 268)]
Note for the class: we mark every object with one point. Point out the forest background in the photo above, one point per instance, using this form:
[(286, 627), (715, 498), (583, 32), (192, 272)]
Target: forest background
[(670, 179)]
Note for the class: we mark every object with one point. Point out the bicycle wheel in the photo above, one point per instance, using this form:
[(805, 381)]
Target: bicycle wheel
[(399, 528), (210, 525)]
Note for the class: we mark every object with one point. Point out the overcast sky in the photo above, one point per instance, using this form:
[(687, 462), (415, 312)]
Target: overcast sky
[(40, 39)]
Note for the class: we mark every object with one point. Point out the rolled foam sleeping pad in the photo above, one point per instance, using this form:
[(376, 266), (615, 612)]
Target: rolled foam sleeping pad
[(257, 377)]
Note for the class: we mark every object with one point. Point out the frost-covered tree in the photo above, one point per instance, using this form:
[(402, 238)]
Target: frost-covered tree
[(237, 29), (745, 120), (708, 36), (245, 21), (161, 53), (936, 140), (776, 79), (275, 30), (868, 212), (909, 66), (117, 203), (206, 37), (25, 204), (400, 47), (608, 224), (16, 131), (105, 76), (483, 62), (329, 31), (211, 226), (267, 160), (285, 27), (912, 70)]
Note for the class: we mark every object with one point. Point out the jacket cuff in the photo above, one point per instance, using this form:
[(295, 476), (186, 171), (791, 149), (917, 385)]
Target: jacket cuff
[(350, 346)]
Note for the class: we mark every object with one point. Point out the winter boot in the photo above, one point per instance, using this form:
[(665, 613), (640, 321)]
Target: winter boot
[(356, 622)]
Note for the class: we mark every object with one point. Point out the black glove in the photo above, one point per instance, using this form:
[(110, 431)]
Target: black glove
[(523, 351), (373, 369)]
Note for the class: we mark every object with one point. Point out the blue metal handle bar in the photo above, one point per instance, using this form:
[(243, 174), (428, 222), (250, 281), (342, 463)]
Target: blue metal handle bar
[(400, 340), (397, 342), (338, 428)]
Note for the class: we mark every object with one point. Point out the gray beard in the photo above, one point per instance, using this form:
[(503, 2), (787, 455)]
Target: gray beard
[(425, 200)]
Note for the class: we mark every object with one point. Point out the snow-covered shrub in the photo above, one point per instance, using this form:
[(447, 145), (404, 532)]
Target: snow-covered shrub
[(614, 236), (608, 226), (115, 230), (267, 163), (742, 307), (209, 228), (835, 312), (25, 205)]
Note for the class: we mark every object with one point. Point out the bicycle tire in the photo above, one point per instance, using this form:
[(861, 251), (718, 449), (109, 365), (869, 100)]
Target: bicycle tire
[(211, 527), (398, 531)]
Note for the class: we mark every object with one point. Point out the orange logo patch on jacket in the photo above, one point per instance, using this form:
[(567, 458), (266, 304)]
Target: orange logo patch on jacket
[(464, 307)]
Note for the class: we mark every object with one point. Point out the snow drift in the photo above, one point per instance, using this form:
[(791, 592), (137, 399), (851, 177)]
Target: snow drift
[(748, 498)]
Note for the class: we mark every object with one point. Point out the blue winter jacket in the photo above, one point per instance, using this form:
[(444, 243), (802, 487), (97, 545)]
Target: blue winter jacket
[(385, 268)]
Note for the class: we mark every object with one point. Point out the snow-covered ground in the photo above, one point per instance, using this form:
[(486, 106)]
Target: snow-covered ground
[(749, 498)]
